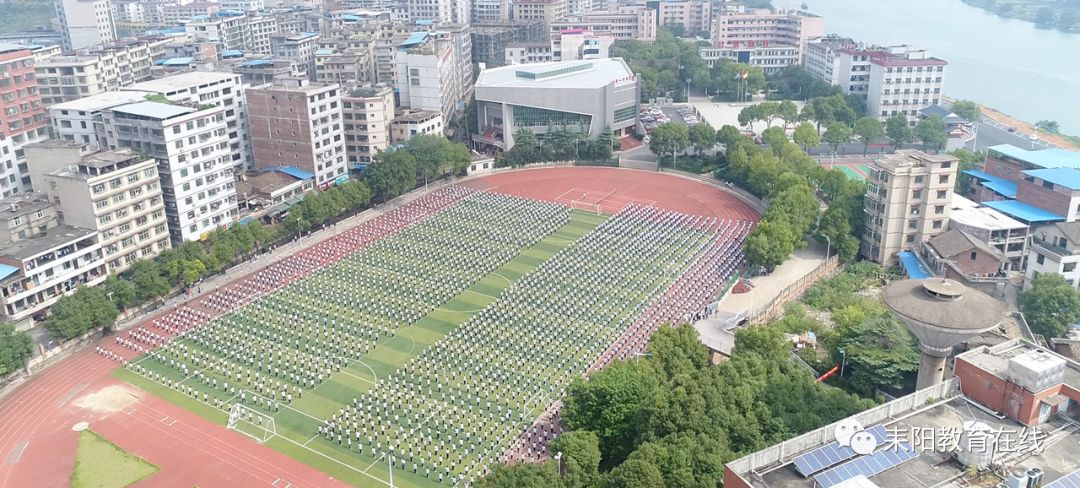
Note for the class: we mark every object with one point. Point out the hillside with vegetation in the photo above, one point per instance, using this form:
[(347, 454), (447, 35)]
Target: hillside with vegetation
[(1053, 14), (26, 15)]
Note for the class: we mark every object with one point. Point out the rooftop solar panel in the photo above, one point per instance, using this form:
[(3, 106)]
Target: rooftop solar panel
[(868, 466), (1071, 480), (831, 454)]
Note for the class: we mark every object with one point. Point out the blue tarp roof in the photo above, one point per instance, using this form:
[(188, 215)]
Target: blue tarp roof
[(257, 62), (175, 62), (296, 172), (424, 22), (350, 17), (414, 39), (1024, 212), (1044, 158), (324, 52), (6, 271), (912, 266), (229, 13), (232, 53), (1066, 177), (996, 184)]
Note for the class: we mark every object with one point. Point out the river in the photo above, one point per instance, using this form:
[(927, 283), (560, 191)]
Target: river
[(1010, 65)]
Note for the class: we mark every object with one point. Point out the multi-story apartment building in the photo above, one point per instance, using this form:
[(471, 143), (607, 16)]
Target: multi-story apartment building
[(407, 125), (489, 41), (739, 28), (136, 16), (41, 258), (22, 114), (568, 45), (81, 120), (228, 29), (900, 81), (191, 147), (822, 58), (263, 28), (180, 12), (243, 5), (298, 123), (116, 193), (297, 46), (771, 59), (263, 70), (200, 88), (907, 202), (629, 23), (433, 70), (490, 12), (439, 11), (695, 17), (85, 22), (1055, 248), (349, 66), (97, 70), (366, 113), (995, 229), (545, 11)]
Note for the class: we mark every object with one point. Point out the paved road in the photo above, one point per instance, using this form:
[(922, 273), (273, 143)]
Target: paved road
[(994, 133)]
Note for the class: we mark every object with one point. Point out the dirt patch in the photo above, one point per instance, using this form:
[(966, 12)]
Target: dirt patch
[(112, 398)]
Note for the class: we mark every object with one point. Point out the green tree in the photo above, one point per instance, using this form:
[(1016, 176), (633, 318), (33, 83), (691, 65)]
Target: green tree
[(806, 135), (750, 114), (436, 156), (611, 404), (728, 135), (702, 137), (881, 353), (836, 134), (1050, 305), (898, 131), (869, 130), (120, 291), (967, 160), (796, 206), (932, 132), (1050, 126), (579, 452), (391, 173), (521, 476), (787, 111), (765, 341), (836, 224), (966, 109), (637, 473), (775, 138), (769, 244), (148, 281), (1045, 16), (15, 348), (669, 138), (80, 312)]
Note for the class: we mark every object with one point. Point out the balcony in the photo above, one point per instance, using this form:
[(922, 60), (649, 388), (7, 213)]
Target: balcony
[(1050, 248)]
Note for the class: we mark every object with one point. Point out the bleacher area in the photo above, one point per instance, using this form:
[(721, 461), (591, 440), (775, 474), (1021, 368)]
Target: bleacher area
[(327, 343)]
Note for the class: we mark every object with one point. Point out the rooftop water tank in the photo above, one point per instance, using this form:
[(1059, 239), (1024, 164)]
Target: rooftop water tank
[(1037, 370), (976, 446), (1035, 476)]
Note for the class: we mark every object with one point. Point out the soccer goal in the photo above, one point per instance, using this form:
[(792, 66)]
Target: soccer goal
[(252, 423), (586, 206)]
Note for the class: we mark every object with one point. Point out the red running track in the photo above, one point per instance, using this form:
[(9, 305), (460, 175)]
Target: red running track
[(613, 188), (37, 444)]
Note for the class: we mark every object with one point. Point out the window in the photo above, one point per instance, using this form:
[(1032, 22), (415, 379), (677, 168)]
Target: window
[(916, 194), (1039, 258), (1068, 267), (937, 224), (943, 179), (974, 255), (910, 238), (918, 180), (912, 224), (942, 194)]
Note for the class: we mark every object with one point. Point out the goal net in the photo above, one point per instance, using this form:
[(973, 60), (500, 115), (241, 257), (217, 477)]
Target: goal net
[(585, 206), (251, 423)]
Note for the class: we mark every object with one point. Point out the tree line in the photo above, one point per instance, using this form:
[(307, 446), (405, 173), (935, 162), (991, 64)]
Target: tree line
[(558, 143), (391, 174), (668, 418)]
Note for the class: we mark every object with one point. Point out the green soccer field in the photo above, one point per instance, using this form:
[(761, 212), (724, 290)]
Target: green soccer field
[(474, 280)]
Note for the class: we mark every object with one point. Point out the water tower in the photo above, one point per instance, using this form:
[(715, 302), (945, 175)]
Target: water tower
[(941, 313)]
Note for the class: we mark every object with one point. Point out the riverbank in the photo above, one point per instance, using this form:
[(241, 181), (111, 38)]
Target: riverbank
[(1047, 14), (1028, 128)]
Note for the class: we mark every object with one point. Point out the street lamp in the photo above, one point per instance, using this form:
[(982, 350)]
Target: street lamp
[(828, 245), (843, 361), (688, 91)]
